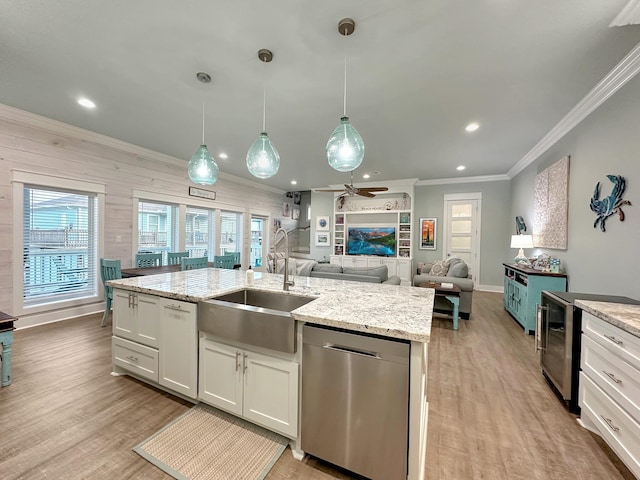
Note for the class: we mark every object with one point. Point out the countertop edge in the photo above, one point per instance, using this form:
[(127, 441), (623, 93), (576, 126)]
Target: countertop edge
[(614, 313)]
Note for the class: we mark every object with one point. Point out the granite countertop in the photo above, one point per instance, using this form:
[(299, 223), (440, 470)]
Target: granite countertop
[(626, 317), (389, 310)]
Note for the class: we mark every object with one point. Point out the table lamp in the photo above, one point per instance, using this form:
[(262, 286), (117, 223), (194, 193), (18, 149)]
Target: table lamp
[(521, 241)]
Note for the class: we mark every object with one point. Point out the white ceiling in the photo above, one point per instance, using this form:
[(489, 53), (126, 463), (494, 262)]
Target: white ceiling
[(419, 71)]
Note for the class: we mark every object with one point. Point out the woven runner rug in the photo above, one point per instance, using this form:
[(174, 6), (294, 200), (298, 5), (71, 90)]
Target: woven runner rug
[(206, 443)]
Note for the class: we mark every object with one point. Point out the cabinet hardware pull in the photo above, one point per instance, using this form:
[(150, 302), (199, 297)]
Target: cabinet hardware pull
[(173, 307), (613, 339), (244, 361), (237, 361), (610, 423), (132, 358), (612, 377)]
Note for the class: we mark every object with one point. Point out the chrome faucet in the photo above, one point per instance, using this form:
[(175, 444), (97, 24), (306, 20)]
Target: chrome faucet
[(287, 283)]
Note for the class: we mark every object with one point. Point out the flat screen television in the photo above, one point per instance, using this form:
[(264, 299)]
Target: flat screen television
[(371, 240)]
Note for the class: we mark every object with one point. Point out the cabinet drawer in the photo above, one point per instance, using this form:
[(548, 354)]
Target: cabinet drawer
[(614, 339), (614, 376), (138, 359), (620, 431)]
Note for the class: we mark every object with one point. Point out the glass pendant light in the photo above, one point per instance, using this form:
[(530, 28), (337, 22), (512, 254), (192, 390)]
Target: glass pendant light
[(202, 168), (345, 148), (263, 160)]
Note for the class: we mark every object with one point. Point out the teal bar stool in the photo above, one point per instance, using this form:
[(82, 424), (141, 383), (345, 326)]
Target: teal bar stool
[(109, 270), (148, 260), (173, 258), (223, 261), (194, 263)]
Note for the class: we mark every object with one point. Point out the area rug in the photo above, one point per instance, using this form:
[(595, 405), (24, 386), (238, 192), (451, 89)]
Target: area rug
[(206, 443)]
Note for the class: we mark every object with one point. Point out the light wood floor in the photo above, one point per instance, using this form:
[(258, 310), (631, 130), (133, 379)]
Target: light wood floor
[(491, 416)]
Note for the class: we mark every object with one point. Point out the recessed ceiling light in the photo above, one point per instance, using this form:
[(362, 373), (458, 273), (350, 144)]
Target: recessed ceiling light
[(472, 127), (294, 182), (223, 156), (460, 168), (86, 103), (366, 175)]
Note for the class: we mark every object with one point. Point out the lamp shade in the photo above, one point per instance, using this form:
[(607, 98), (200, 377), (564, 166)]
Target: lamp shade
[(521, 241), (263, 160), (345, 148), (202, 168)]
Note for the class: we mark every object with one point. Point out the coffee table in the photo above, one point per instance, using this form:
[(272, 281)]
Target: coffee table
[(451, 294)]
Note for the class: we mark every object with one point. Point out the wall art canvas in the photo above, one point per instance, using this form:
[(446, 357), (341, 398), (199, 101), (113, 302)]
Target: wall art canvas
[(551, 206), (295, 214), (322, 224), (323, 240), (427, 233)]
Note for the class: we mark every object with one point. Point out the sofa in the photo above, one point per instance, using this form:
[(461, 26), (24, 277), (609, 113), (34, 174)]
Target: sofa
[(453, 270), (377, 274), (303, 267)]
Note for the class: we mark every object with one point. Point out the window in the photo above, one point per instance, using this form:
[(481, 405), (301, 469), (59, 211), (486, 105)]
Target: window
[(200, 228), (230, 232), (59, 244), (157, 228)]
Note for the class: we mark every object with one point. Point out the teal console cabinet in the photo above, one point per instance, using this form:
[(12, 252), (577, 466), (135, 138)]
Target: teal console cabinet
[(522, 292)]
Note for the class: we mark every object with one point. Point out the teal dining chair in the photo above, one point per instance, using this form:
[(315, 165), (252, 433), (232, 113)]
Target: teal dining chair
[(194, 263), (236, 257), (223, 261), (109, 270), (173, 258), (144, 260)]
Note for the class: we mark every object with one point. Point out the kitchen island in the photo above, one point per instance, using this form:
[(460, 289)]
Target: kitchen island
[(396, 312)]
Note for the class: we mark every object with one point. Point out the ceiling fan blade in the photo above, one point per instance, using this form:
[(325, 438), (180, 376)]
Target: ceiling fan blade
[(374, 189), (364, 193)]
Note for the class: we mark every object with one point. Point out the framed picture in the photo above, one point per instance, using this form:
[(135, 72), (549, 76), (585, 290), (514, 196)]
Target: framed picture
[(295, 214), (322, 239), (428, 233), (285, 209), (322, 224)]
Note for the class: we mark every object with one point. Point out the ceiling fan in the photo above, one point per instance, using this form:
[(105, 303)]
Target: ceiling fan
[(350, 190)]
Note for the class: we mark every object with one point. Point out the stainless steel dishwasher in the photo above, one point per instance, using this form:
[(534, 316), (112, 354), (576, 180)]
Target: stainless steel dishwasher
[(355, 401)]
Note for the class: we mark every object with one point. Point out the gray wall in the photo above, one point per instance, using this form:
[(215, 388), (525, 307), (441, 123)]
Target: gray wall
[(606, 142), (321, 204), (495, 231)]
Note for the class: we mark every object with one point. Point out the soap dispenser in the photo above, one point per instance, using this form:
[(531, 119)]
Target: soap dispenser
[(249, 274)]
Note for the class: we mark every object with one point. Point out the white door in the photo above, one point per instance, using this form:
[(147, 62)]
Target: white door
[(221, 376), (462, 229), (179, 347), (271, 393)]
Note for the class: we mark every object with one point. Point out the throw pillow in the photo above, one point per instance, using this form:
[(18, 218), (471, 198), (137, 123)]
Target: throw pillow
[(459, 269), (439, 269)]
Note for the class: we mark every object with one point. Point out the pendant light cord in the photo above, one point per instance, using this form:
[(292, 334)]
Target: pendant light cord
[(264, 105), (344, 111), (203, 122)]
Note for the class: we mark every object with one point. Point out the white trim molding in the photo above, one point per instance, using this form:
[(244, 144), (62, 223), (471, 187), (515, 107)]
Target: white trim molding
[(629, 15), (628, 67), (457, 181)]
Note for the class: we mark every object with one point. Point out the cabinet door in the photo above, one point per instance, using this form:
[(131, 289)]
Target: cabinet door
[(220, 377), (124, 315), (335, 260), (374, 262), (505, 294), (404, 270), (392, 265), (360, 261), (146, 313), (271, 393), (179, 346)]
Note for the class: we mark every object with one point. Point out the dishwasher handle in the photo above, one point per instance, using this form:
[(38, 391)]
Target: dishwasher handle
[(343, 349)]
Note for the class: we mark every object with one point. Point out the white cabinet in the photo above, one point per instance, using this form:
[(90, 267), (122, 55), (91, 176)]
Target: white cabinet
[(392, 265), (260, 388), (156, 339), (335, 260), (609, 393), (404, 269), (354, 261), (135, 317), (179, 347)]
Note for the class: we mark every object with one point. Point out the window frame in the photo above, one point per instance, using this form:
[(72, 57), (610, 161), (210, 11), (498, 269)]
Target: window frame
[(51, 182)]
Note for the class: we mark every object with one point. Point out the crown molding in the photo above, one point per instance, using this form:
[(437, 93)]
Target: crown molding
[(451, 181), (56, 127), (629, 15), (624, 71)]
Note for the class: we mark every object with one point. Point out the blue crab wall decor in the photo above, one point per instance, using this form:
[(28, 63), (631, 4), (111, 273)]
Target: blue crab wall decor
[(610, 204)]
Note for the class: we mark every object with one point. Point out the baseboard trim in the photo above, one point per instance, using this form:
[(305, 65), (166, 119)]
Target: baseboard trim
[(33, 320), (490, 288)]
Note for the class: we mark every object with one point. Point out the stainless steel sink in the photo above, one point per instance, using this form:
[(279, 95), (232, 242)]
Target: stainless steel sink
[(253, 317)]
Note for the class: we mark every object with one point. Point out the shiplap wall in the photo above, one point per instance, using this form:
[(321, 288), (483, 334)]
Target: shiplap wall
[(37, 144)]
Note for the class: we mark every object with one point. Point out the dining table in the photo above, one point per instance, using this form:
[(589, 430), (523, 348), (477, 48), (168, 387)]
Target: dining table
[(139, 272)]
